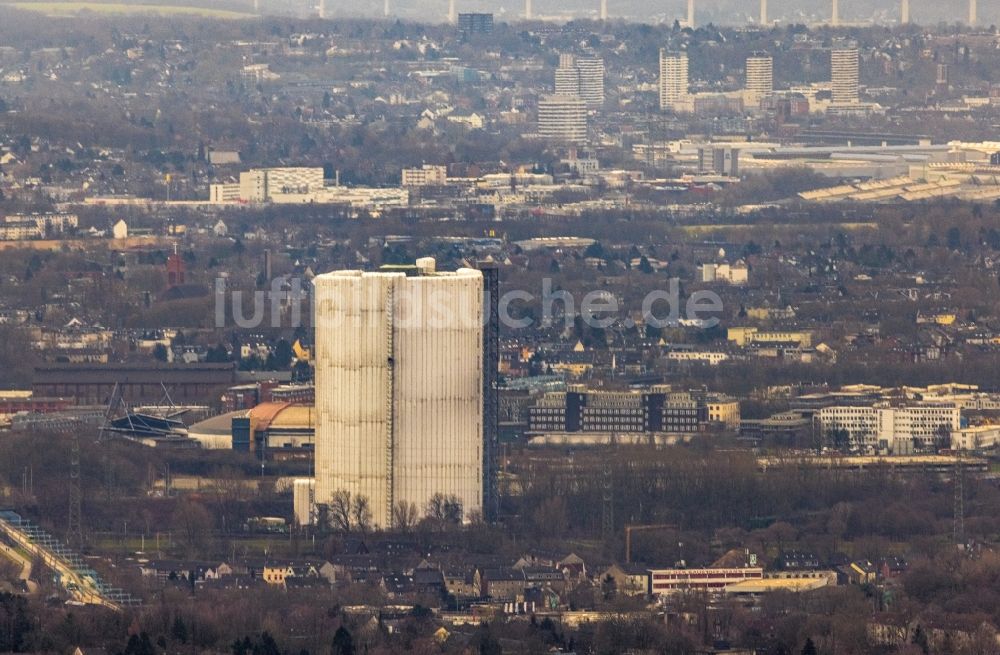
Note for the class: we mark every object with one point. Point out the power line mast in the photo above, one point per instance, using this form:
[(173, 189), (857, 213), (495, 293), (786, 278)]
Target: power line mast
[(608, 504), (74, 531), (958, 527)]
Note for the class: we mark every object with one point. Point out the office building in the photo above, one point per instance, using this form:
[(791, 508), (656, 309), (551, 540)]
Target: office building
[(884, 427), (399, 387), (582, 77), (263, 184), (721, 160), (760, 79), (711, 580), (844, 76), (654, 410), (567, 76), (17, 227), (426, 175), (673, 79), (475, 23), (562, 118)]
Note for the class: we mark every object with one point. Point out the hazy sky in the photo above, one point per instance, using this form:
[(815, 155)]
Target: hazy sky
[(719, 11)]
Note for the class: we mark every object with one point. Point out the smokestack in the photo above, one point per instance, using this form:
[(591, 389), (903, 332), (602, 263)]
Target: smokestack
[(604, 9), (452, 16), (527, 10), (904, 12), (835, 13), (763, 12), (973, 17), (690, 20)]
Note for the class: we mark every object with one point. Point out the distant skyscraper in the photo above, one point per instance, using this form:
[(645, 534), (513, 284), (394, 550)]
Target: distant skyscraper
[(760, 78), (604, 10), (399, 388), (475, 23), (763, 12), (942, 75), (567, 76), (844, 75), (527, 10), (835, 13), (322, 8), (673, 78), (562, 118), (582, 77), (904, 12), (690, 16), (973, 15), (591, 80)]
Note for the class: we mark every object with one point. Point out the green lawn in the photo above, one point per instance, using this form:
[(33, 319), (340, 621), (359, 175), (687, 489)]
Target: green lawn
[(64, 8)]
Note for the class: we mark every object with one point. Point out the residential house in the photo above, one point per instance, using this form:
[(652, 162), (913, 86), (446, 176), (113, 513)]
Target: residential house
[(502, 584), (626, 579)]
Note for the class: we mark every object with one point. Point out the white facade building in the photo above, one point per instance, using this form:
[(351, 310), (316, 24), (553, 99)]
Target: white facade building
[(760, 79), (16, 227), (844, 76), (426, 175), (304, 501), (673, 79), (265, 184), (880, 427), (399, 391), (567, 76), (581, 77), (562, 118)]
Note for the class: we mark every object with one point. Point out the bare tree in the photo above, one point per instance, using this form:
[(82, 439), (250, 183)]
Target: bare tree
[(361, 513), (444, 510), (340, 510), (404, 515)]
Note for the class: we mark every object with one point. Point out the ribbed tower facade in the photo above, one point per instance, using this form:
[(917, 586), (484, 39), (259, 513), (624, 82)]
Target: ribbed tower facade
[(844, 76), (673, 78), (399, 388), (760, 78)]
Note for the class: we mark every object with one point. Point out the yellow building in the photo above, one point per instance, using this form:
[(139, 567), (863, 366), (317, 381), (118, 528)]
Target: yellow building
[(745, 336), (726, 412)]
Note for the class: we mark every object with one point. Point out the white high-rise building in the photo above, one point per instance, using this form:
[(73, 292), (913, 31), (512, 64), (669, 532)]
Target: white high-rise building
[(399, 388), (844, 76), (760, 79), (673, 78), (562, 118), (591, 80), (567, 76), (582, 77)]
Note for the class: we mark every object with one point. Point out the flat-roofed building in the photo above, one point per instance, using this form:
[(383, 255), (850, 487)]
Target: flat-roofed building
[(562, 118), (673, 79), (664, 582), (844, 76)]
